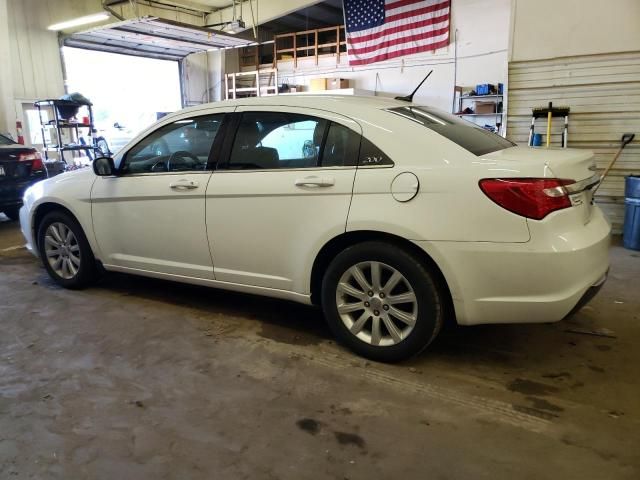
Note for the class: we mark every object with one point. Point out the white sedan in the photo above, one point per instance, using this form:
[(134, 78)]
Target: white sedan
[(393, 217)]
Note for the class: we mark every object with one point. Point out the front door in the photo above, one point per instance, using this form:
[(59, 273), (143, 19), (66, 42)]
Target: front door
[(284, 192), (151, 216)]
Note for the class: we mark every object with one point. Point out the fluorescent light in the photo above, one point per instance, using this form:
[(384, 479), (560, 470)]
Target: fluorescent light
[(76, 22)]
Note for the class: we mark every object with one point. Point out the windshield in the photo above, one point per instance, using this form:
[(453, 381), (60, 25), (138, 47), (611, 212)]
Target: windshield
[(6, 141), (468, 135)]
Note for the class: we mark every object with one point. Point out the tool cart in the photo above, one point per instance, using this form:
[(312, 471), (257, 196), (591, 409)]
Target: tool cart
[(63, 132)]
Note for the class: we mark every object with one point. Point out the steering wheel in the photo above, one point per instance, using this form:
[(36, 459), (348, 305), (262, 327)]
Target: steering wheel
[(187, 160)]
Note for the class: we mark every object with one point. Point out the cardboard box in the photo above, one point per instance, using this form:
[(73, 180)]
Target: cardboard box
[(317, 84), (337, 83), (485, 107)]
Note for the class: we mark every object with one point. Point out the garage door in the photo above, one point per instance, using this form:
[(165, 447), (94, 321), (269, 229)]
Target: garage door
[(603, 92), (152, 37)]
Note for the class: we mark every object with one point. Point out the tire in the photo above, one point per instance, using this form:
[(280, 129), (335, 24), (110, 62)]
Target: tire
[(12, 212), (74, 266), (401, 277)]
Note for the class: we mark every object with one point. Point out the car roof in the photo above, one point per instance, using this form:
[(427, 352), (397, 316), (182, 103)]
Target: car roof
[(319, 101)]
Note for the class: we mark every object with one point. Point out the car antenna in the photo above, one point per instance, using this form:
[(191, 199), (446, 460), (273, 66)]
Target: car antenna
[(409, 98)]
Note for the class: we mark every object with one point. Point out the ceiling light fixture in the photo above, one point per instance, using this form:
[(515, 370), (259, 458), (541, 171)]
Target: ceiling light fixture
[(76, 22), (234, 26)]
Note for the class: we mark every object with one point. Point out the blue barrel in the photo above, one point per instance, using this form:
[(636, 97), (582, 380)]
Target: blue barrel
[(537, 139), (631, 232)]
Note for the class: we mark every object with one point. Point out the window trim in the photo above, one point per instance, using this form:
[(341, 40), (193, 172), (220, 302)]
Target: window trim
[(215, 146)]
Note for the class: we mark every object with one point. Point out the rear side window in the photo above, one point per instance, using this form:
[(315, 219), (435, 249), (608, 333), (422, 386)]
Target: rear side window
[(6, 141), (341, 147), (469, 136), (371, 155)]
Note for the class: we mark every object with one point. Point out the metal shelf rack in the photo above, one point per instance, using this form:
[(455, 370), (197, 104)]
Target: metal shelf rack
[(59, 123), (497, 116)]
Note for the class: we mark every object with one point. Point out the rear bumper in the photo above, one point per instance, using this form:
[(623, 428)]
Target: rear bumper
[(535, 282), (11, 192), (591, 292)]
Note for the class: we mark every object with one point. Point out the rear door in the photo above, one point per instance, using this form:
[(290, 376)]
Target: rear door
[(284, 192)]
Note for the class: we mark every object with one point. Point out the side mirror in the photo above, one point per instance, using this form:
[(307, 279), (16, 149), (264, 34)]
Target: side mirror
[(104, 166)]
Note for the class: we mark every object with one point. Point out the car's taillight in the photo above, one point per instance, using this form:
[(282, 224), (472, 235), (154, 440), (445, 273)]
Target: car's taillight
[(33, 157), (530, 197)]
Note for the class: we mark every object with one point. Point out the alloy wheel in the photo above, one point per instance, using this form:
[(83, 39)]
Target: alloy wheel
[(62, 250), (376, 303)]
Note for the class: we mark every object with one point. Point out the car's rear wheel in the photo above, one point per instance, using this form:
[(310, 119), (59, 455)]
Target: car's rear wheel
[(382, 302), (65, 251), (12, 212)]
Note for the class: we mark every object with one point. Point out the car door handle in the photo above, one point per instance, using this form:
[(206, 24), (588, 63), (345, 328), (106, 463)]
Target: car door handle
[(183, 185), (315, 181)]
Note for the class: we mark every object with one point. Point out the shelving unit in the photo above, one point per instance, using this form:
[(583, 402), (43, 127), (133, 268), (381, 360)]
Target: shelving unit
[(60, 124), (256, 83), (496, 116), (309, 43)]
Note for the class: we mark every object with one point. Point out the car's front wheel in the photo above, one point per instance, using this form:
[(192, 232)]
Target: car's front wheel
[(382, 302), (65, 251)]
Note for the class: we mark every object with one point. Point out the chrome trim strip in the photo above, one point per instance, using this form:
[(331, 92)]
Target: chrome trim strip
[(582, 185)]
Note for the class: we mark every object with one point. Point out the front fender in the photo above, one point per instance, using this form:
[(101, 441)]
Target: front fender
[(72, 192)]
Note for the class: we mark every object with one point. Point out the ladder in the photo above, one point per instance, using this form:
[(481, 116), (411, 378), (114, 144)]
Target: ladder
[(549, 112)]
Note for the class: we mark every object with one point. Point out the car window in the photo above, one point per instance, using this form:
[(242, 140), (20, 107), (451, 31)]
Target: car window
[(340, 147), (268, 140), (371, 155), (468, 135), (180, 146), (5, 140)]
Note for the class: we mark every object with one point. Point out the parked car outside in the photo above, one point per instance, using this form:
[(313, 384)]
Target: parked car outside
[(20, 167), (392, 216)]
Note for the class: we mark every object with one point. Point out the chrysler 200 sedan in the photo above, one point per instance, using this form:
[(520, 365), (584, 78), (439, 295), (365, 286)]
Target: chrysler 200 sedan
[(391, 216)]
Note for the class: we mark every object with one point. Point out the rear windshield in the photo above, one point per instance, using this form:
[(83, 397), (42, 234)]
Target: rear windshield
[(6, 141), (468, 135)]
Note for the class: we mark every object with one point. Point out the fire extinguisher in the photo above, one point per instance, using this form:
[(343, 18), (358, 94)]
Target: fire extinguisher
[(19, 132)]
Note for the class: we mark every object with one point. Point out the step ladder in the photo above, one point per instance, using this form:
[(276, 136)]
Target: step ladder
[(549, 112)]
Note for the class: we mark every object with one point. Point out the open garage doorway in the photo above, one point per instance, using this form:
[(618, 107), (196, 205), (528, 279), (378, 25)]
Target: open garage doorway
[(128, 92)]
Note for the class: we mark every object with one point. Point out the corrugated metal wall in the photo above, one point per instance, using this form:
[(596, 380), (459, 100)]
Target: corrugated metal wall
[(35, 57), (603, 92)]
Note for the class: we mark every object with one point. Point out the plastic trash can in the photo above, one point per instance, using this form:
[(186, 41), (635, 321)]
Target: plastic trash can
[(631, 229)]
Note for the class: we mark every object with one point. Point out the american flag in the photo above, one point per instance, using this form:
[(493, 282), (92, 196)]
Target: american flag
[(382, 29)]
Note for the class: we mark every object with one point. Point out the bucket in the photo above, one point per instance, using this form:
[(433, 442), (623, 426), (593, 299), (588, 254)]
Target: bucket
[(631, 229), (537, 140)]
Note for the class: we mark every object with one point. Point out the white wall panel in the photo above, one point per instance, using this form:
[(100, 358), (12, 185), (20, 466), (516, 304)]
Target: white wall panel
[(561, 28), (36, 65)]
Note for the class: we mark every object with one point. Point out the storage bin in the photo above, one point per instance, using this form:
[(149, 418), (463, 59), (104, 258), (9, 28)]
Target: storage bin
[(631, 229)]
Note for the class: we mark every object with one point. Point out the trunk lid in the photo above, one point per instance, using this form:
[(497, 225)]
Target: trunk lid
[(562, 163), (10, 168)]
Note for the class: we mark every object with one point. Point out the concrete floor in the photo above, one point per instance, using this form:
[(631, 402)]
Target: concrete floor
[(145, 379)]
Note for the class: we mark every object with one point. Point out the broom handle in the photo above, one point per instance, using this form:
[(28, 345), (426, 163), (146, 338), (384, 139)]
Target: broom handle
[(626, 138)]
